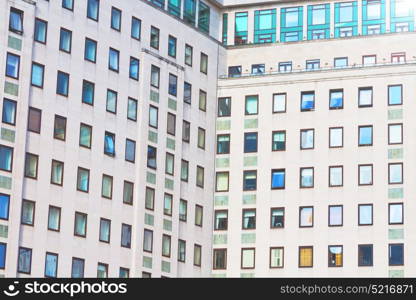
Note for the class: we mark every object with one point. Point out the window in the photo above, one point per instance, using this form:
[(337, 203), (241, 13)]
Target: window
[(307, 101), (306, 216), (155, 77), (278, 179), (249, 219), (134, 68), (336, 174), (124, 273), (224, 107), (181, 250), (12, 65), (54, 218), (183, 210), (115, 19), (396, 173), (306, 257), (241, 28), (369, 60), (85, 135), (169, 164), (306, 178), (51, 264), (148, 241), (149, 198), (109, 144), (277, 217), (187, 92), (398, 57), (365, 97), (335, 215), (203, 17), (31, 166), (257, 69), (365, 173), (221, 220), (132, 109), (16, 21), (251, 105), (341, 62), (41, 29), (28, 212), (173, 85), (234, 71), (200, 176), (172, 46), (167, 204), (65, 40), (62, 85), (6, 158), (4, 206), (128, 192), (279, 103), (335, 256), (93, 8), (102, 270), (78, 265), (80, 227), (136, 25), (90, 52), (336, 137), (153, 116), (395, 132), (171, 124), (3, 250), (154, 37), (346, 31), (130, 151), (396, 254), (248, 257), (365, 214), (313, 64), (186, 131), (395, 94), (59, 130), (222, 181), (395, 213), (204, 63), (24, 264), (285, 66), (57, 172), (68, 4), (250, 180), (113, 59), (220, 259), (184, 170), (37, 75), (9, 111), (107, 187), (307, 139), (125, 235), (197, 255), (151, 157), (223, 144), (199, 210), (336, 99), (88, 92), (166, 245), (83, 180), (201, 138), (250, 142), (276, 257), (202, 100), (365, 255), (365, 135), (278, 140), (188, 55)]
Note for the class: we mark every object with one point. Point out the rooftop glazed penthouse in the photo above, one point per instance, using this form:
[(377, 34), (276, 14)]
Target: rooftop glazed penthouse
[(189, 138)]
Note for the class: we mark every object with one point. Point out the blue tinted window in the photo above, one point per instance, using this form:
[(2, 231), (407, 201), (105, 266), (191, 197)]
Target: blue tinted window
[(336, 99), (25, 260), (12, 65), (69, 4), (134, 68), (395, 94), (396, 257), (111, 104), (6, 158), (365, 135), (62, 84), (130, 150), (278, 179), (115, 18), (88, 92), (93, 9), (37, 75), (250, 142), (65, 40), (4, 206), (113, 59), (40, 31), (77, 268), (90, 50), (9, 112), (151, 157), (308, 101), (16, 21), (109, 144), (136, 25), (172, 46), (3, 248), (173, 85), (51, 265)]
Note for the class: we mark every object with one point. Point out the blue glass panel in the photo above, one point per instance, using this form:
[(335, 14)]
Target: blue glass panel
[(4, 206)]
